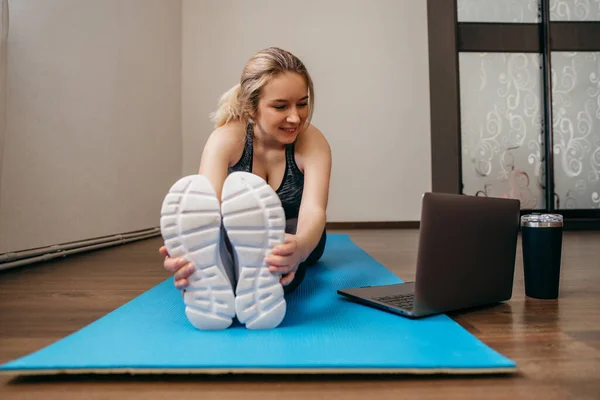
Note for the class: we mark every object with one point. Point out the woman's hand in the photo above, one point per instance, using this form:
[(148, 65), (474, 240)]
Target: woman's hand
[(285, 258), (179, 266)]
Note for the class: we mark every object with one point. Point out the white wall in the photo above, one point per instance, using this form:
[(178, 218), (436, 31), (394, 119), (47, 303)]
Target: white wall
[(369, 61), (103, 94), (93, 136)]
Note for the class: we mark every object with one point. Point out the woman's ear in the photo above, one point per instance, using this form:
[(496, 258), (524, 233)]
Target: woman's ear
[(253, 116)]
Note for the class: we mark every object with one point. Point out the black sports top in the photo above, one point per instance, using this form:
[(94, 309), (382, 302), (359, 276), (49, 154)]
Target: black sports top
[(290, 190)]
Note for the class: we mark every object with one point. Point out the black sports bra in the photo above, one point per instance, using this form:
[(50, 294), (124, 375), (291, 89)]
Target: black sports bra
[(292, 185)]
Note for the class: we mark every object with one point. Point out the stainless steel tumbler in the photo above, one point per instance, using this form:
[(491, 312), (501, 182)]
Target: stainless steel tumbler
[(542, 252)]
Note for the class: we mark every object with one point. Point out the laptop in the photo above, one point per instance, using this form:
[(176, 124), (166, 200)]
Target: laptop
[(466, 258)]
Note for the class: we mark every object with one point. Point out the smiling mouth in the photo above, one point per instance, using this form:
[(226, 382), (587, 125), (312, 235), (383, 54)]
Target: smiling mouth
[(289, 130)]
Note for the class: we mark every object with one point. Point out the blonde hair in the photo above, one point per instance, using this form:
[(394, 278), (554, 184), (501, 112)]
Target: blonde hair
[(241, 101)]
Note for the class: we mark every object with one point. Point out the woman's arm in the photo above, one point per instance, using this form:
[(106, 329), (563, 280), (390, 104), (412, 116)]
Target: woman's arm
[(219, 150), (315, 161), (220, 147), (315, 154)]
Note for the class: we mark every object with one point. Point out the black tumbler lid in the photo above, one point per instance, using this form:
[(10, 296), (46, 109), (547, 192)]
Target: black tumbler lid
[(542, 220)]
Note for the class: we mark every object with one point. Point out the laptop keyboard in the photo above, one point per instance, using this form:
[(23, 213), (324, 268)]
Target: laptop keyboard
[(404, 301)]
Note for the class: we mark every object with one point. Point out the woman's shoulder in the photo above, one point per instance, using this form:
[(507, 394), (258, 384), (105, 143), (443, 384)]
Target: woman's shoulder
[(227, 140), (312, 148), (230, 132), (228, 137), (312, 138)]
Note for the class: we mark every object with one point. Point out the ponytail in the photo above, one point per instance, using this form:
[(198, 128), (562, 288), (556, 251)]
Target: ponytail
[(229, 107)]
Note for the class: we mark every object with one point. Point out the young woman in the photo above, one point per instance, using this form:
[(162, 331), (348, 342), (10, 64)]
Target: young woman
[(240, 233)]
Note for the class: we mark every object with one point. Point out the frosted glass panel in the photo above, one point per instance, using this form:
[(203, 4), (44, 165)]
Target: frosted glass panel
[(575, 10), (501, 132), (498, 10), (526, 11), (576, 115)]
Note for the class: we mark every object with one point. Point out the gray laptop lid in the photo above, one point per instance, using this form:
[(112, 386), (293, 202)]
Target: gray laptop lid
[(467, 248)]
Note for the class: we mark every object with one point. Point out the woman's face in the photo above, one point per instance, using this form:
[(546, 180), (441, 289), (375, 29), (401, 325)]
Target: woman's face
[(283, 108)]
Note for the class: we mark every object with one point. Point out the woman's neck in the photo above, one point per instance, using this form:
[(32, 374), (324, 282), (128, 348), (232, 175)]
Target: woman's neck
[(264, 141)]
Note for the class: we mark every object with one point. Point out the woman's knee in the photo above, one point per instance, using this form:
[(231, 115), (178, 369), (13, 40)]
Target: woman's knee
[(298, 278), (318, 251), (313, 258)]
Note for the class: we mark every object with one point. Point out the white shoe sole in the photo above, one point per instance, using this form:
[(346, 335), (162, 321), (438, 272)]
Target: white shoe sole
[(191, 227), (255, 222)]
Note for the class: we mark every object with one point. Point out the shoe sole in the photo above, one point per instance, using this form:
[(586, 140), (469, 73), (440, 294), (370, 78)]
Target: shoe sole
[(255, 222), (191, 228)]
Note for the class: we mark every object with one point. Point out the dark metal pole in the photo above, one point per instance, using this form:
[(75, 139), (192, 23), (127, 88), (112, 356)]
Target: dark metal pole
[(547, 96)]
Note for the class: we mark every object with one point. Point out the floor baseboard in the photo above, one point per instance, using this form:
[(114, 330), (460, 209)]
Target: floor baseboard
[(374, 225)]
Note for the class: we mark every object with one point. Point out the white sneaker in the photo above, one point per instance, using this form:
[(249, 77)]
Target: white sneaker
[(255, 222), (190, 224)]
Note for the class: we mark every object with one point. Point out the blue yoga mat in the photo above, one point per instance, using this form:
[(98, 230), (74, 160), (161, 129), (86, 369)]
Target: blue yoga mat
[(321, 333)]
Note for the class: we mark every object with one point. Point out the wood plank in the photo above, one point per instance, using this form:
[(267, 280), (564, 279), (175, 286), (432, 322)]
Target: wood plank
[(446, 169), (575, 36), (498, 37)]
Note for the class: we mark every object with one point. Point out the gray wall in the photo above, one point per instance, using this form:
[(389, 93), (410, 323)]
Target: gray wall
[(369, 61), (108, 105), (93, 135)]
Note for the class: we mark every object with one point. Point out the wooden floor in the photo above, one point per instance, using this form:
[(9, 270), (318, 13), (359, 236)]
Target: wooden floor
[(555, 343)]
